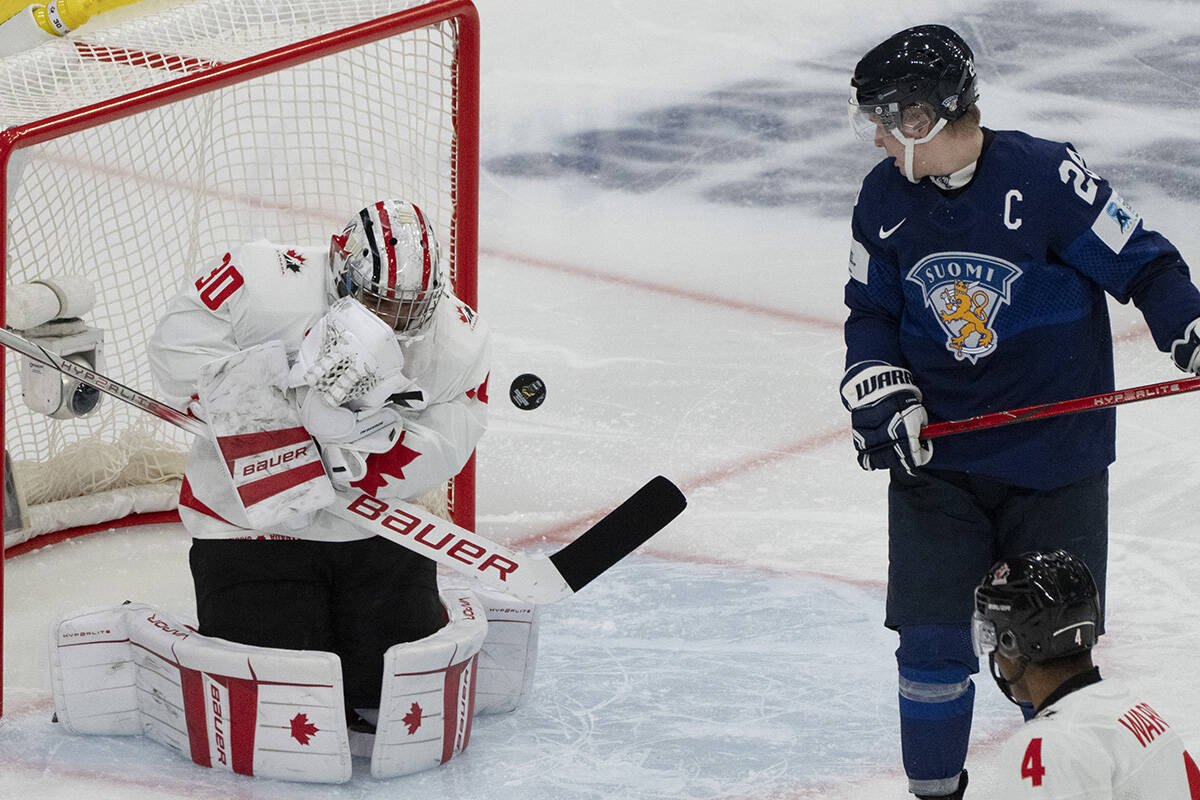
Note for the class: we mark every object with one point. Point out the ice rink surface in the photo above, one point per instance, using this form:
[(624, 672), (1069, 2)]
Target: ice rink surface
[(666, 190)]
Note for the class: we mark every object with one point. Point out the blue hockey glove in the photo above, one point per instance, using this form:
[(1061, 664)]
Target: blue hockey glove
[(1185, 352), (887, 415)]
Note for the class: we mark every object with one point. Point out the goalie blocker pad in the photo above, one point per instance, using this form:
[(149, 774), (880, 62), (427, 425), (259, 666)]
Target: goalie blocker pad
[(134, 669), (277, 473)]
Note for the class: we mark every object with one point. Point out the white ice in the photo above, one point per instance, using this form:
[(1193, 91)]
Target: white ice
[(666, 189)]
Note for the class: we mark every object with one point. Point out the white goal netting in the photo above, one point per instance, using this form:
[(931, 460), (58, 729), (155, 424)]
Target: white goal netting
[(138, 202)]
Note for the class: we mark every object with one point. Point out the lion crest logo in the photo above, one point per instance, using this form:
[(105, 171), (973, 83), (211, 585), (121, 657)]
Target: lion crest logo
[(965, 293), (969, 308)]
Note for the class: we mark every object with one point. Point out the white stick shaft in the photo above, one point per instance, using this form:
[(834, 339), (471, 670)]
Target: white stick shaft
[(533, 579)]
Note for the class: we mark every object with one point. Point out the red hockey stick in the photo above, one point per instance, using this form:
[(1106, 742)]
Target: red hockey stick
[(1090, 403)]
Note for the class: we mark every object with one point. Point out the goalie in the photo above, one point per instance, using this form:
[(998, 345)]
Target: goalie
[(364, 348)]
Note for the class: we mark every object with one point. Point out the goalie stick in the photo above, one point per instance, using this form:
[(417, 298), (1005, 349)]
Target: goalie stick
[(530, 578), (534, 579)]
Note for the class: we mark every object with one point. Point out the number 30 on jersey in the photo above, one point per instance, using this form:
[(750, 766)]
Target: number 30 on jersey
[(220, 284)]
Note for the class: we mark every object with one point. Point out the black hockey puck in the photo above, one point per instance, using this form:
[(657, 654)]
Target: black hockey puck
[(527, 392)]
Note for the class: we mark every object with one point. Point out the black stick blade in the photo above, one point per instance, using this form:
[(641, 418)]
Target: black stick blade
[(620, 533)]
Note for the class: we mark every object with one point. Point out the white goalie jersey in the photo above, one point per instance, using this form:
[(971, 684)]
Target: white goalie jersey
[(262, 292), (1100, 742)]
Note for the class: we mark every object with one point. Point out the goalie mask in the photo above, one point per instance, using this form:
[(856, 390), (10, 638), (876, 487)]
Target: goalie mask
[(388, 259)]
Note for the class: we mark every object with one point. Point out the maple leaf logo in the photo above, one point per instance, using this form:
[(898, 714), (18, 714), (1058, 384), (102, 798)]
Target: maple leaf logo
[(482, 392), (466, 314), (339, 241), (391, 463), (413, 719), (293, 260), (302, 729)]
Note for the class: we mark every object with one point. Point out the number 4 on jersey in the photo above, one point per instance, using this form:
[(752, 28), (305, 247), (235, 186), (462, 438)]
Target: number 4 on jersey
[(1031, 764), (1031, 767)]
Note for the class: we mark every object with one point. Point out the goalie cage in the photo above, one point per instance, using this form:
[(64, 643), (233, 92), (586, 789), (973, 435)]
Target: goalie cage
[(137, 149)]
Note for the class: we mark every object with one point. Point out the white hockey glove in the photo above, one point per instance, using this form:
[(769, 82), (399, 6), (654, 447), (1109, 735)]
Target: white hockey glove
[(345, 436), (343, 465), (372, 430), (887, 415), (1185, 351), (352, 358)]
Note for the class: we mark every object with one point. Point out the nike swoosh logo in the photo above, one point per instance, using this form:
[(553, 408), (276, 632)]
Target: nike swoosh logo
[(885, 234)]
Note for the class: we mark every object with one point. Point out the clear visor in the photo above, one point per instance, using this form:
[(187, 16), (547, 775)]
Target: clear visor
[(983, 635), (915, 121)]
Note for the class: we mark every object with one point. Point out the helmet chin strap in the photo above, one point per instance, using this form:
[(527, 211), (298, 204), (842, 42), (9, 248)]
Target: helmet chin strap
[(1005, 684), (910, 145)]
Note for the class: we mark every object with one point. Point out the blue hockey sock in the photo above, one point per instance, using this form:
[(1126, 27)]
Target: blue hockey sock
[(937, 698)]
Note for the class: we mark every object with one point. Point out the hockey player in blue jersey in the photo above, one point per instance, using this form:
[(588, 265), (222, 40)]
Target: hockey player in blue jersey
[(979, 269)]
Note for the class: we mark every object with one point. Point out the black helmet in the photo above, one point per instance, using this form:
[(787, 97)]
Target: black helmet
[(929, 66), (1036, 607)]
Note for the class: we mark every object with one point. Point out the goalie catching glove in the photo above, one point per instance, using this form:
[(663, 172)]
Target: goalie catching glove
[(353, 359), (350, 388), (887, 415)]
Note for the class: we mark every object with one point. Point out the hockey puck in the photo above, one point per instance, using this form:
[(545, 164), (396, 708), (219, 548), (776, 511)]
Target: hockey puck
[(527, 392)]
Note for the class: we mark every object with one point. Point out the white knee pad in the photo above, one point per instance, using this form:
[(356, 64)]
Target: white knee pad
[(509, 655), (429, 692), (133, 669)]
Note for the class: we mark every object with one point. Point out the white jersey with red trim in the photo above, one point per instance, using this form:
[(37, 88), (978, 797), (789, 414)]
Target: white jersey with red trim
[(262, 292), (1099, 742)]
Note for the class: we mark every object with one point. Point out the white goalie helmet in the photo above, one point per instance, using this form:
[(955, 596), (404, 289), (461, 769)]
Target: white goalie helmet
[(387, 257)]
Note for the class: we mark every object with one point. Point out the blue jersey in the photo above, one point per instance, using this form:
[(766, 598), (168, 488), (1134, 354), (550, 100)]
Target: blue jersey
[(994, 297)]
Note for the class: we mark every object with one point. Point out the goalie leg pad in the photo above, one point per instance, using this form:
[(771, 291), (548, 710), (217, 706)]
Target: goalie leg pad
[(250, 710), (509, 654), (92, 673), (429, 692)]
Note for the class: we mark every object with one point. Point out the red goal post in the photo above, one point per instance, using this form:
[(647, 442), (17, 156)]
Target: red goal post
[(134, 151)]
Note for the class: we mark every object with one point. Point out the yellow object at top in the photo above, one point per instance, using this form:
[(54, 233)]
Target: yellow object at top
[(60, 16)]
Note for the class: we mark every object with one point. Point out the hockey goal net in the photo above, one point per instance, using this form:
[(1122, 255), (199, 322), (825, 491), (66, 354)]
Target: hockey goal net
[(136, 150)]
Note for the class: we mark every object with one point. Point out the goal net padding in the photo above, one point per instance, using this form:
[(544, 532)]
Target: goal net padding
[(136, 152)]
